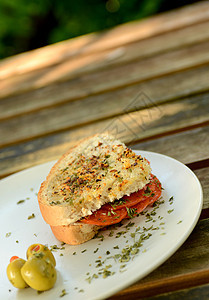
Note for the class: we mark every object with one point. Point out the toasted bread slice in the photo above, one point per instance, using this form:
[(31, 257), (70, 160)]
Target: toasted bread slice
[(97, 170)]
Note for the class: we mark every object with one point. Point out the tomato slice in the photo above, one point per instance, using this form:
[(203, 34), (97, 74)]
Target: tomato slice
[(113, 213), (151, 191), (142, 205), (126, 201), (103, 217)]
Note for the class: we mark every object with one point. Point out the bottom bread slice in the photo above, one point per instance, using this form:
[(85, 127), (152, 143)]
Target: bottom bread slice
[(75, 234)]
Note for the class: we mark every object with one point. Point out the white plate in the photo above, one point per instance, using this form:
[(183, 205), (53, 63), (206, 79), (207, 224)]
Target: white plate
[(171, 225)]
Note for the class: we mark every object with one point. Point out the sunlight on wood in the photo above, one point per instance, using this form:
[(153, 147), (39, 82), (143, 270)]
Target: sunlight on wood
[(81, 65), (120, 35), (43, 57)]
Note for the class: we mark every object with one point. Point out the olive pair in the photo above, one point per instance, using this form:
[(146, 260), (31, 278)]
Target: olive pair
[(37, 272)]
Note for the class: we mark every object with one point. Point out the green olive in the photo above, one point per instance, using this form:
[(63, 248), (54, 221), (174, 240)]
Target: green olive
[(39, 273), (14, 273), (39, 248)]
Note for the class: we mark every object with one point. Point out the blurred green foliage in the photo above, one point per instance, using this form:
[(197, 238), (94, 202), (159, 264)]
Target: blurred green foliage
[(26, 25), (29, 24)]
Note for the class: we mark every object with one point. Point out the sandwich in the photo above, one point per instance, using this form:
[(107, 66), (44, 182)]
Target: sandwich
[(97, 183)]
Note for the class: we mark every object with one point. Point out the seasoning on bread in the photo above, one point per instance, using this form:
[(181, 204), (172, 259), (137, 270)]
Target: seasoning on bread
[(96, 171)]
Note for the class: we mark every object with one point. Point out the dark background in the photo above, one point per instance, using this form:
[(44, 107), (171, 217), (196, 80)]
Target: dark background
[(30, 24)]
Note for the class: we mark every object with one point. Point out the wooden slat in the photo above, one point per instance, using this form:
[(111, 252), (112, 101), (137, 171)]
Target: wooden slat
[(167, 286), (201, 292), (181, 146), (112, 78), (72, 68), (156, 120), (188, 267), (120, 35), (25, 155), (60, 92)]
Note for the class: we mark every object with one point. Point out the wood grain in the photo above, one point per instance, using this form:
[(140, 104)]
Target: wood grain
[(153, 91), (131, 128), (181, 145), (97, 42), (17, 157), (201, 292), (141, 124), (72, 68), (188, 267), (113, 78), (167, 286)]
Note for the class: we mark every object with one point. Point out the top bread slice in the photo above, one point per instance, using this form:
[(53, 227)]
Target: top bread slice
[(97, 170)]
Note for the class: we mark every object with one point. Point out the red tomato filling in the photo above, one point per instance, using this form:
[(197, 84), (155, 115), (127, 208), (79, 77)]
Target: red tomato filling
[(127, 207)]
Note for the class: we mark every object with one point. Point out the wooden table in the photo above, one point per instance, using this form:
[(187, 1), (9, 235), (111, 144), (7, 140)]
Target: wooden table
[(145, 81)]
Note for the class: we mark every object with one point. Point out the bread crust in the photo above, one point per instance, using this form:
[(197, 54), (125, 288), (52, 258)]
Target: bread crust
[(75, 234), (53, 215)]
